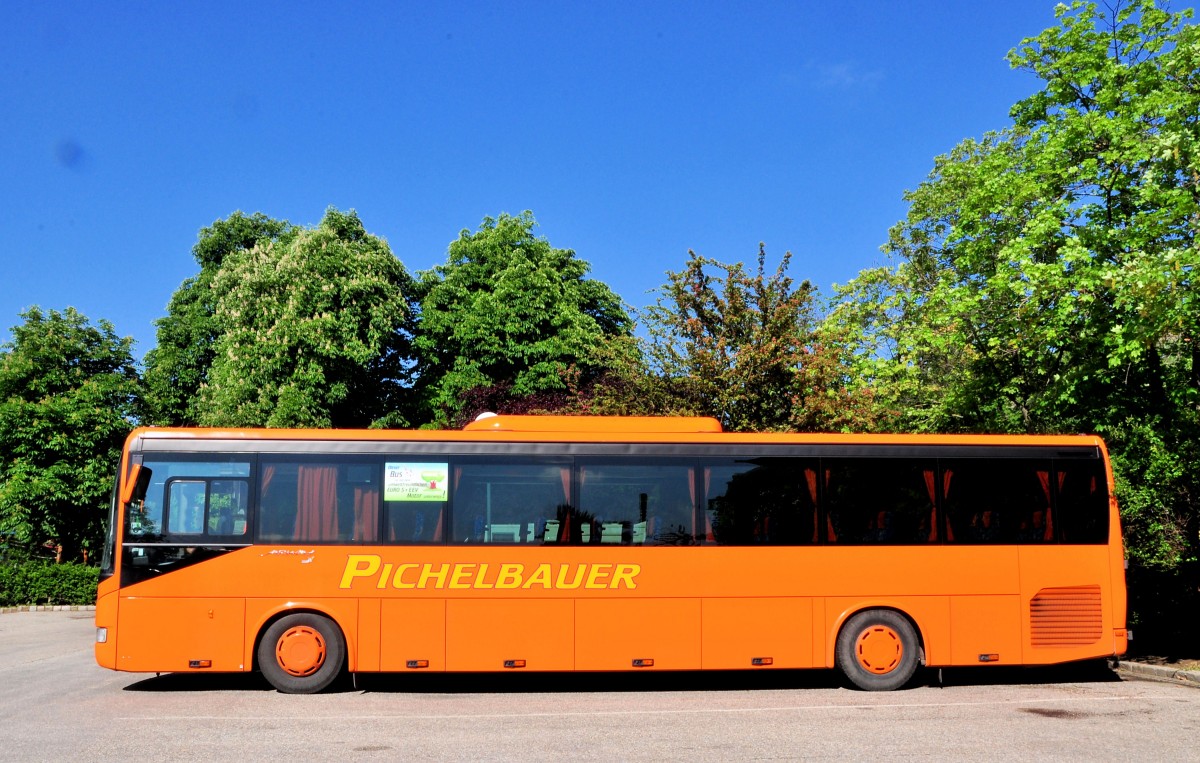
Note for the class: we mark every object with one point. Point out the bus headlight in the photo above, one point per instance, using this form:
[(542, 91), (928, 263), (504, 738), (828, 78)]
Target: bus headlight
[(102, 635)]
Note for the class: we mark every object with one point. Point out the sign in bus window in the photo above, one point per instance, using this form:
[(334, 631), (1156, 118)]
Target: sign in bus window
[(415, 497), (421, 482)]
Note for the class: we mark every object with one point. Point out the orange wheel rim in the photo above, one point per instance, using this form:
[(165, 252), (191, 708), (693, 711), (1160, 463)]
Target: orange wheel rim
[(879, 649), (300, 651)]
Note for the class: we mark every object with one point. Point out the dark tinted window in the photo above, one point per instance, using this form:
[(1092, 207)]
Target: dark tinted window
[(880, 500), (762, 501), (998, 500), (637, 503), (1081, 501)]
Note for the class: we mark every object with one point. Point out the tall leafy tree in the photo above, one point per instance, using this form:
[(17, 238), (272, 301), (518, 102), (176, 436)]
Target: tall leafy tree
[(509, 309), (742, 346), (178, 366), (69, 394), (312, 329), (1043, 278)]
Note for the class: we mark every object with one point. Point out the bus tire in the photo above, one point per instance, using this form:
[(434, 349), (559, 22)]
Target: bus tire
[(878, 650), (302, 653)]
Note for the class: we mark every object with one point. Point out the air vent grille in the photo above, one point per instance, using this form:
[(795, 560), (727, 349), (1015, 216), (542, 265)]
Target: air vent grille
[(1066, 616)]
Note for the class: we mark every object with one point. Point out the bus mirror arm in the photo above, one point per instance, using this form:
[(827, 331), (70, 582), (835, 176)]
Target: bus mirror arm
[(137, 484)]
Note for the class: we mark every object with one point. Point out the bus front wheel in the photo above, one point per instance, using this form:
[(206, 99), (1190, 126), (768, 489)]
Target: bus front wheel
[(878, 650), (301, 653)]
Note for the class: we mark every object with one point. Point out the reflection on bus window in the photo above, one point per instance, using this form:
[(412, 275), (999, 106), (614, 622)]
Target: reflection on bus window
[(634, 503), (764, 501), (190, 482), (186, 499), (509, 501)]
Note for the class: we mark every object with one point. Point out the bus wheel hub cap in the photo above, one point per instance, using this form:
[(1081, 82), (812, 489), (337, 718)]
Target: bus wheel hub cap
[(879, 649), (300, 651)]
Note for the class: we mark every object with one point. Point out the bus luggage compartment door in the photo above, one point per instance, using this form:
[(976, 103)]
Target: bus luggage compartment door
[(181, 635)]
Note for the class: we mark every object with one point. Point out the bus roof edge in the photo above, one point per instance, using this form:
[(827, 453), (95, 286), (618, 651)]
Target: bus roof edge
[(643, 424)]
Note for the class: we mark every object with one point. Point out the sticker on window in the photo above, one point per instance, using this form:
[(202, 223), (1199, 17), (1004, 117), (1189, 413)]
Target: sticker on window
[(415, 482)]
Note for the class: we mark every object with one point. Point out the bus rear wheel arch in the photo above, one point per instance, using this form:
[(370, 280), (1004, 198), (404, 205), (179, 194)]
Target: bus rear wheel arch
[(301, 653), (878, 650)]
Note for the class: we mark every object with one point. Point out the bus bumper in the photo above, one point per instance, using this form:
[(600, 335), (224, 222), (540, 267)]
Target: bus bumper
[(1121, 638)]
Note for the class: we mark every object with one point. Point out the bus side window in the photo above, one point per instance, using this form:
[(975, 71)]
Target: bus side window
[(186, 502), (761, 501), (1081, 501), (227, 507), (635, 502), (512, 501), (315, 500), (880, 500), (997, 501)]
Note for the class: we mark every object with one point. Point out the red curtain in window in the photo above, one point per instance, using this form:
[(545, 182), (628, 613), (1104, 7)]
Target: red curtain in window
[(692, 497), (810, 479), (366, 514), (831, 534), (709, 537), (947, 477), (268, 474), (316, 503), (1044, 479), (931, 488)]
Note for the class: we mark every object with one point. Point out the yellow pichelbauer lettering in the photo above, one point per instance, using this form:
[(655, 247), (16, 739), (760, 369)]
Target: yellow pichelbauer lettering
[(461, 573), (510, 576), (359, 566), (540, 577), (427, 575), (479, 578), (596, 578), (625, 573), (383, 576), (398, 581), (370, 571)]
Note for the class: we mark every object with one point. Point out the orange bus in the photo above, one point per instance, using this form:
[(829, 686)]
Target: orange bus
[(599, 544)]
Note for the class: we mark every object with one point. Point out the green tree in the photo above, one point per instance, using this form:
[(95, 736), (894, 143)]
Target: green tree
[(508, 308), (178, 366), (69, 393), (1043, 278), (742, 347), (312, 330)]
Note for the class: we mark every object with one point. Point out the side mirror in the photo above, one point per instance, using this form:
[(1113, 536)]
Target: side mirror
[(136, 484)]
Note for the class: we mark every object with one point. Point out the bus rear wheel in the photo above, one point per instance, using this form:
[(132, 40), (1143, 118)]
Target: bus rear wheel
[(878, 650), (302, 653)]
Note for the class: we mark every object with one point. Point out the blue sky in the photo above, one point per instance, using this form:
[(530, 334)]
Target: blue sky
[(632, 131)]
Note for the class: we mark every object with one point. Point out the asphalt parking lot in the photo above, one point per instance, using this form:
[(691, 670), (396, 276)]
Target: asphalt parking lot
[(58, 705)]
